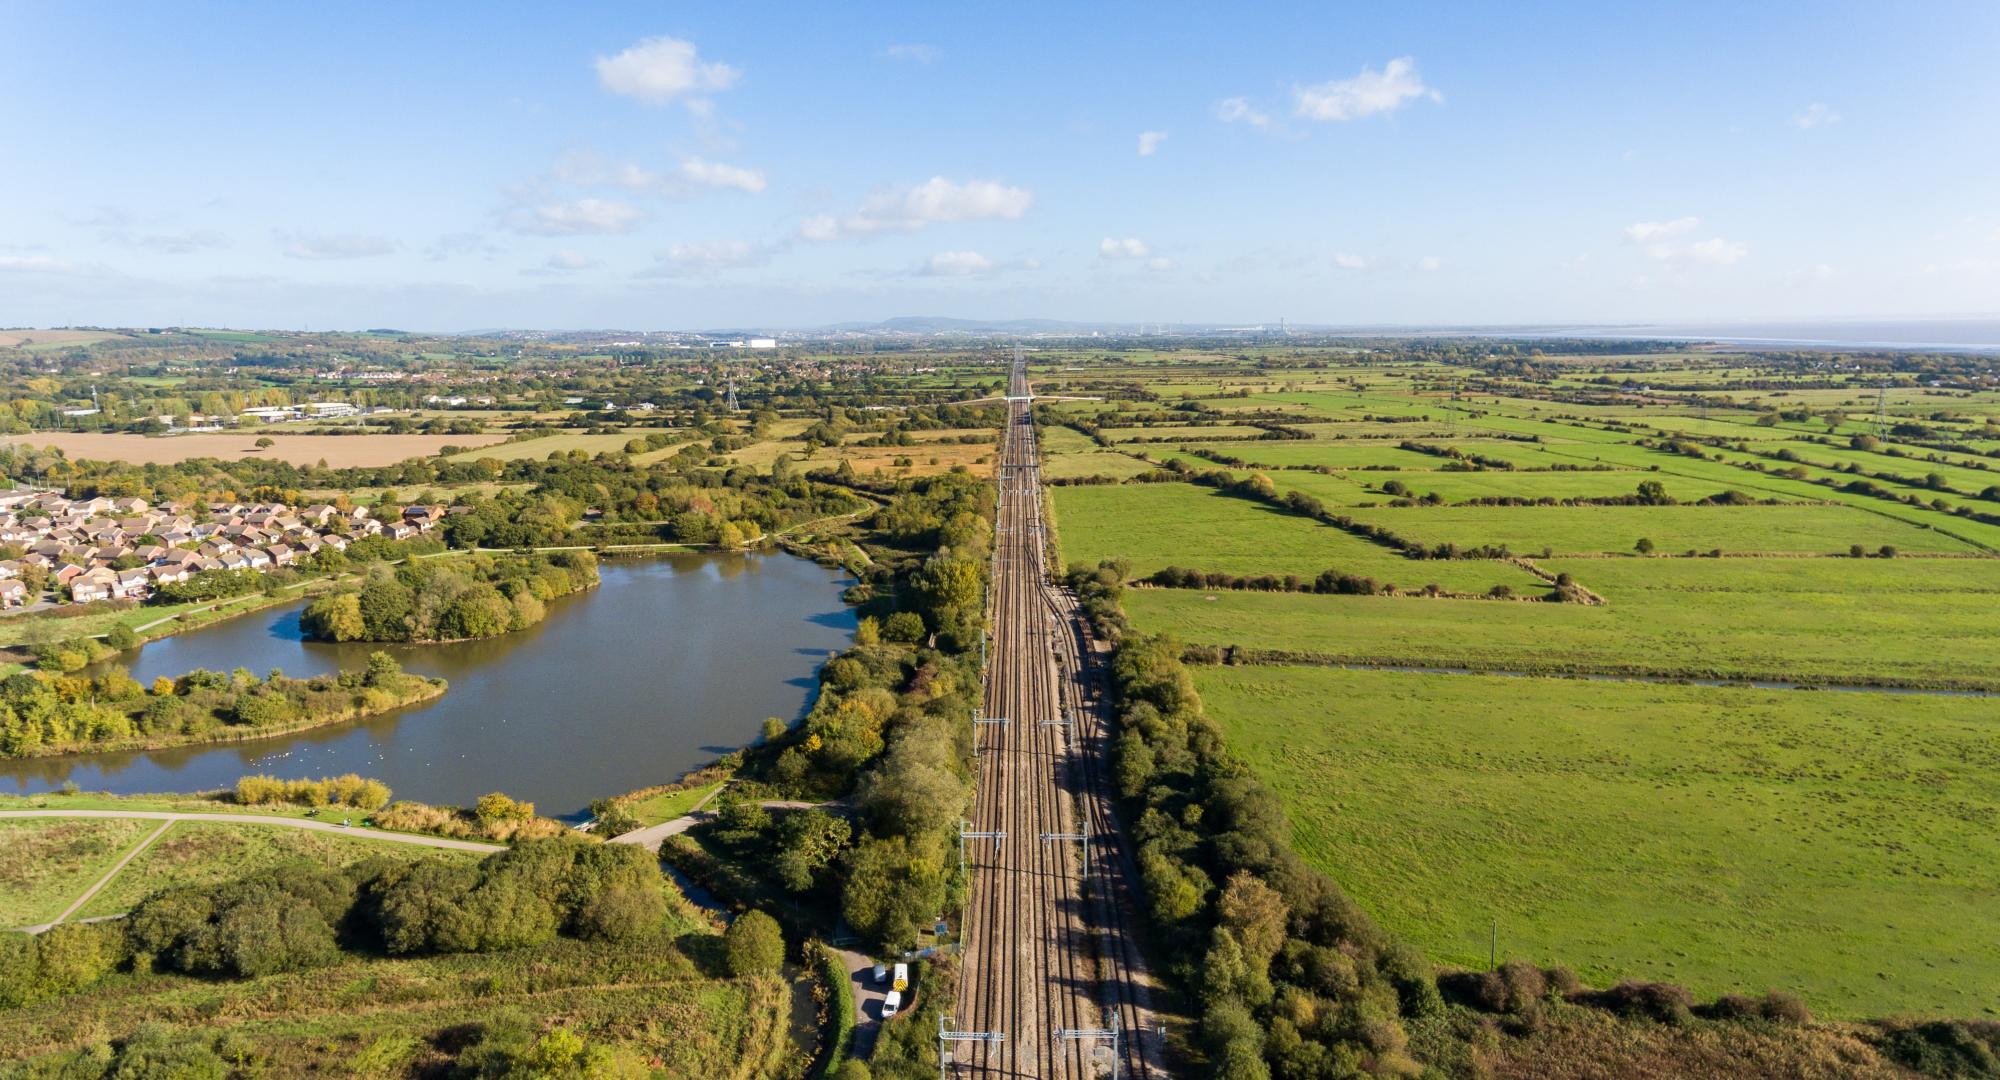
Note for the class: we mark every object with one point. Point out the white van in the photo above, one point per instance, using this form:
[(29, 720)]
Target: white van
[(891, 1002), (902, 978)]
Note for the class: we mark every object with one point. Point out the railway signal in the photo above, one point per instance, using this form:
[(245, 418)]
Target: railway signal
[(946, 1037), (965, 833), (978, 722), (1049, 837), (1115, 1033)]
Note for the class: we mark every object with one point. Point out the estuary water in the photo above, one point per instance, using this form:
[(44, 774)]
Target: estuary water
[(667, 664)]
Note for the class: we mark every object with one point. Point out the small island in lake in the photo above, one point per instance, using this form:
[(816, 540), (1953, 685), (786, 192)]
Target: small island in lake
[(434, 600), (46, 715)]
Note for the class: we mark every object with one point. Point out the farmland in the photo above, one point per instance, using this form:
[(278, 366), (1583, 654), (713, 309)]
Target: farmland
[(336, 450), (1161, 525), (1716, 837), (1901, 621), (1673, 810)]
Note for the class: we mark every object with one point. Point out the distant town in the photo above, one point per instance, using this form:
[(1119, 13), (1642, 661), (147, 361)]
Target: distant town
[(87, 550)]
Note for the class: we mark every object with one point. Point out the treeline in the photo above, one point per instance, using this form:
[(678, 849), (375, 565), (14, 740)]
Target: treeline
[(1456, 459), (889, 733), (1334, 583), (1288, 975), (1649, 493), (440, 600), (301, 916), (61, 714), (1867, 487), (1262, 489), (680, 500)]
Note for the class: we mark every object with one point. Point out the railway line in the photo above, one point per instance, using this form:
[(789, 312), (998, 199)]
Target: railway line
[(1049, 950)]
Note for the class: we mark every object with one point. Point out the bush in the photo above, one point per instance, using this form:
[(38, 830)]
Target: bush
[(495, 807), (754, 944), (1945, 1048), (121, 638), (1664, 1002)]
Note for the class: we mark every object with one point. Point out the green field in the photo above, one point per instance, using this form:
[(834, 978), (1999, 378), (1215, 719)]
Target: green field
[(1840, 845), (1905, 621), (1346, 489), (1160, 525), (204, 853), (367, 1016), (45, 864), (1673, 529)]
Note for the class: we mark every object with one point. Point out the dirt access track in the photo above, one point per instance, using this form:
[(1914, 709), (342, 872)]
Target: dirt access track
[(339, 451)]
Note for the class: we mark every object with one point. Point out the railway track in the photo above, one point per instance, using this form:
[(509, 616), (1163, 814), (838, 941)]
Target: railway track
[(1048, 941)]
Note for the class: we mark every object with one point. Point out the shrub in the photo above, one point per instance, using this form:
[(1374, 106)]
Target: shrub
[(496, 807), (1664, 1002), (754, 944)]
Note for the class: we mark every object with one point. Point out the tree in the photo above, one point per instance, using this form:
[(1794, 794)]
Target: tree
[(754, 944), (495, 807), (1644, 546), (265, 442), (904, 626), (808, 842), (121, 637), (382, 669), (334, 618)]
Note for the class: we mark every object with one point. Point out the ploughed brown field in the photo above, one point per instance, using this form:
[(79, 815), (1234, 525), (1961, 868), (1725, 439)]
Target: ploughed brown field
[(336, 450)]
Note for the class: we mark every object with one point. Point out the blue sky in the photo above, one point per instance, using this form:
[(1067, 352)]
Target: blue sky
[(658, 166)]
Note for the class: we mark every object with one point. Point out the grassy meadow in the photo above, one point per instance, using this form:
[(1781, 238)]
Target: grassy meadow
[(1839, 845), (1161, 525), (1837, 842)]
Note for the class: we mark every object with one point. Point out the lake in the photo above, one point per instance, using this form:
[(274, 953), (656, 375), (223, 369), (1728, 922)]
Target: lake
[(669, 663)]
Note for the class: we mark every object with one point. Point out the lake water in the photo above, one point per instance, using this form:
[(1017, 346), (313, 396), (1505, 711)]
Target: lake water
[(667, 664)]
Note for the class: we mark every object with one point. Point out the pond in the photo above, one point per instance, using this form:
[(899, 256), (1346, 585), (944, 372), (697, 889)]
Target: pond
[(666, 665)]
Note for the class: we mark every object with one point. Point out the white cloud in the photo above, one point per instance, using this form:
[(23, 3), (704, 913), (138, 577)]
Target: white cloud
[(1716, 252), (461, 243), (1817, 114), (914, 52), (707, 257), (1161, 264), (1150, 141), (661, 70), (958, 264), (588, 168), (1238, 110), (715, 174), (934, 201), (571, 260), (1662, 242), (577, 218), (1815, 272), (1365, 94), (1129, 248), (1349, 261), (176, 243), (1430, 264), (335, 246), (1647, 232), (37, 264)]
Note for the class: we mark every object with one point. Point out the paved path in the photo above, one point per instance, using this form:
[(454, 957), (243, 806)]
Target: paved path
[(260, 819), (652, 836), (105, 880), (867, 1002), (168, 818)]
